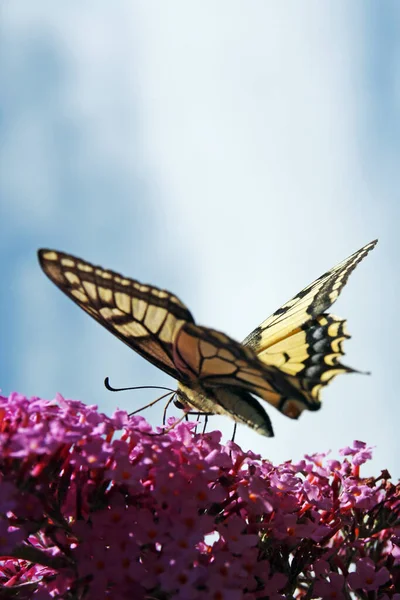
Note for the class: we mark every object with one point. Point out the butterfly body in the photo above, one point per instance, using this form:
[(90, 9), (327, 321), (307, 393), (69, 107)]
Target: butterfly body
[(235, 403), (286, 361)]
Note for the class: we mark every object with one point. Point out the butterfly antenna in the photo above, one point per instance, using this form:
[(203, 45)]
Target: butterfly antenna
[(138, 387)]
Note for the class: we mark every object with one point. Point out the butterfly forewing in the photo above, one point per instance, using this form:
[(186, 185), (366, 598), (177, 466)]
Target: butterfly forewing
[(312, 301), (146, 318)]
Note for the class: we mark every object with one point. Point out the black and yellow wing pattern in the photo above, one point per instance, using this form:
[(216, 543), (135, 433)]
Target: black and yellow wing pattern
[(300, 338), (285, 361), (144, 317)]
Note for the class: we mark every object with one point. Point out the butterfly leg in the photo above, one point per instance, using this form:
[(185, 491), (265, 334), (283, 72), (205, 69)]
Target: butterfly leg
[(205, 423), (170, 400), (198, 415), (197, 419)]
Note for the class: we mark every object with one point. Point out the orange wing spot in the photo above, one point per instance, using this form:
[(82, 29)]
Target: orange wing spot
[(217, 366), (226, 355), (207, 350)]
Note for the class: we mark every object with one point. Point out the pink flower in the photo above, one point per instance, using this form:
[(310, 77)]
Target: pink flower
[(331, 588), (234, 534), (100, 507), (360, 452), (366, 578), (272, 582), (290, 528), (359, 495)]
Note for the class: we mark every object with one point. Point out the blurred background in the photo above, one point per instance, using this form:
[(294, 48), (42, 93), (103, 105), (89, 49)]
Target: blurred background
[(229, 152)]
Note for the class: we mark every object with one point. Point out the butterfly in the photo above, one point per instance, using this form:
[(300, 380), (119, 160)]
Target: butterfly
[(286, 360)]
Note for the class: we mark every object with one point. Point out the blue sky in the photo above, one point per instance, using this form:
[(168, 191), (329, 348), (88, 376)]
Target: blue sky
[(230, 153)]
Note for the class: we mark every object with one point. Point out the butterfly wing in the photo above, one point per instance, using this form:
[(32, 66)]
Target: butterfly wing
[(312, 352), (285, 361), (144, 317), (311, 302), (215, 360), (303, 341)]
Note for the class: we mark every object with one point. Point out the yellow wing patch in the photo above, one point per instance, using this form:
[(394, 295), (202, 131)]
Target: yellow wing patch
[(312, 352)]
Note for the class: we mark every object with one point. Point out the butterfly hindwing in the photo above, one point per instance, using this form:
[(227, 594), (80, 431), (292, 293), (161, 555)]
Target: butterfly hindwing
[(312, 352), (146, 318), (216, 360)]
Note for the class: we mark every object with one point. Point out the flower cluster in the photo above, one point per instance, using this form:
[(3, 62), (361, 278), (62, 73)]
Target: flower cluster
[(104, 507)]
